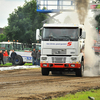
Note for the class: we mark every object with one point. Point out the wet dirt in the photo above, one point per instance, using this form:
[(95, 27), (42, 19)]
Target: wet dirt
[(29, 84)]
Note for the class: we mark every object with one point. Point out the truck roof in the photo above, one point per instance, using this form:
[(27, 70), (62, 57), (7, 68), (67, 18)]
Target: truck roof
[(63, 25)]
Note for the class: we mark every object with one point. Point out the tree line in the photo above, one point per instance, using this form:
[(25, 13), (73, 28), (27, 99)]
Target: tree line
[(23, 22)]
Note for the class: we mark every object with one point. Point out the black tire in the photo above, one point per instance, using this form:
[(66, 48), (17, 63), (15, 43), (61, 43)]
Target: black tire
[(45, 71), (80, 72), (18, 60)]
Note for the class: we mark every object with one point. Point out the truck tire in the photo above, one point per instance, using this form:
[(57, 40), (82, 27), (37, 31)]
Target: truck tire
[(18, 60), (45, 71), (80, 72)]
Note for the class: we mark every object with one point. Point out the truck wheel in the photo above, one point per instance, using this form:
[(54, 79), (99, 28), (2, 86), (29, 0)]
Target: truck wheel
[(45, 71), (18, 60), (80, 72)]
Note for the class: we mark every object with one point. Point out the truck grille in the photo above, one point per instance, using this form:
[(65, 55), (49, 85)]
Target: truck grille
[(58, 59), (58, 51)]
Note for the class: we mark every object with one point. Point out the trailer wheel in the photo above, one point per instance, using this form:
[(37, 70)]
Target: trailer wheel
[(45, 71), (18, 60), (80, 72)]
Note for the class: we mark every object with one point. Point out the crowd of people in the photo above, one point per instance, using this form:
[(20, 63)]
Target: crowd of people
[(4, 57)]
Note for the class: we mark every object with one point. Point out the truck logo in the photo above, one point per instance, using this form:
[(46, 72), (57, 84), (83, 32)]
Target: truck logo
[(69, 43)]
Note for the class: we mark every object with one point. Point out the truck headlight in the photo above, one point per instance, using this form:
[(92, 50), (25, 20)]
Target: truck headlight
[(44, 58), (72, 65), (44, 65), (73, 58)]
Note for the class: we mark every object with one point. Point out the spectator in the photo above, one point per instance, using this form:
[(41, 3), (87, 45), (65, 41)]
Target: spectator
[(1, 57), (5, 55), (33, 57), (38, 57), (13, 55)]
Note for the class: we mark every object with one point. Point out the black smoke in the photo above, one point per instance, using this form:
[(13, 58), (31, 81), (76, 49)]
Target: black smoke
[(82, 9)]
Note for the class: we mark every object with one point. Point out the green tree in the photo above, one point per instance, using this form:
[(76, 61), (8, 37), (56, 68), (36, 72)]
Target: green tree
[(3, 37), (96, 1), (23, 22)]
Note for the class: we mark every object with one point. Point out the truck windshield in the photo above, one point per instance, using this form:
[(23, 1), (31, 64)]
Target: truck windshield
[(60, 34)]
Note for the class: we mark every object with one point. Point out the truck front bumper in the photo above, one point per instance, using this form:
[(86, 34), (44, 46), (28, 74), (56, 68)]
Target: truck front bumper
[(60, 65)]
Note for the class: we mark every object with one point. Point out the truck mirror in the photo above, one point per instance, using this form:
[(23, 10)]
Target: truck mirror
[(83, 35), (37, 34), (80, 31)]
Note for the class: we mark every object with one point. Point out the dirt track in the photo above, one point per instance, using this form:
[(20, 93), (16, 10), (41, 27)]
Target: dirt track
[(31, 85)]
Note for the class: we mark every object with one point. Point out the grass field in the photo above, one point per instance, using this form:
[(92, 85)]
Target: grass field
[(81, 95)]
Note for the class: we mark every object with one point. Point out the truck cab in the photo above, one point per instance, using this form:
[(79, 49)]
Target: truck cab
[(61, 46)]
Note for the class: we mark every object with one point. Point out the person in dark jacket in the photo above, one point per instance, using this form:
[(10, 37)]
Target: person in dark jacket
[(38, 57), (13, 55), (1, 57), (33, 57)]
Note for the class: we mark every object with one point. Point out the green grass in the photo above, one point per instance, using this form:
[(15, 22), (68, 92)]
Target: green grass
[(28, 64), (81, 95), (9, 64)]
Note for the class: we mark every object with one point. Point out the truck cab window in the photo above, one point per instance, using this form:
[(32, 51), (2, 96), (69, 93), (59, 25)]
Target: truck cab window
[(60, 34)]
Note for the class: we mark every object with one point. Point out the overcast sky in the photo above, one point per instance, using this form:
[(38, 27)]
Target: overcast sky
[(6, 8)]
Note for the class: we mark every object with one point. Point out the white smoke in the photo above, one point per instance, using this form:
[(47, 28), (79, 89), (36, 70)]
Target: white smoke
[(91, 59)]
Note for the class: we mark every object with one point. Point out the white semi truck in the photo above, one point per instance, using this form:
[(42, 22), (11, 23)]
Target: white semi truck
[(61, 46)]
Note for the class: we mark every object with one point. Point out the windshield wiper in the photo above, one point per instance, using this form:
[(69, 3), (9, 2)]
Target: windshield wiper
[(66, 37), (50, 38)]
